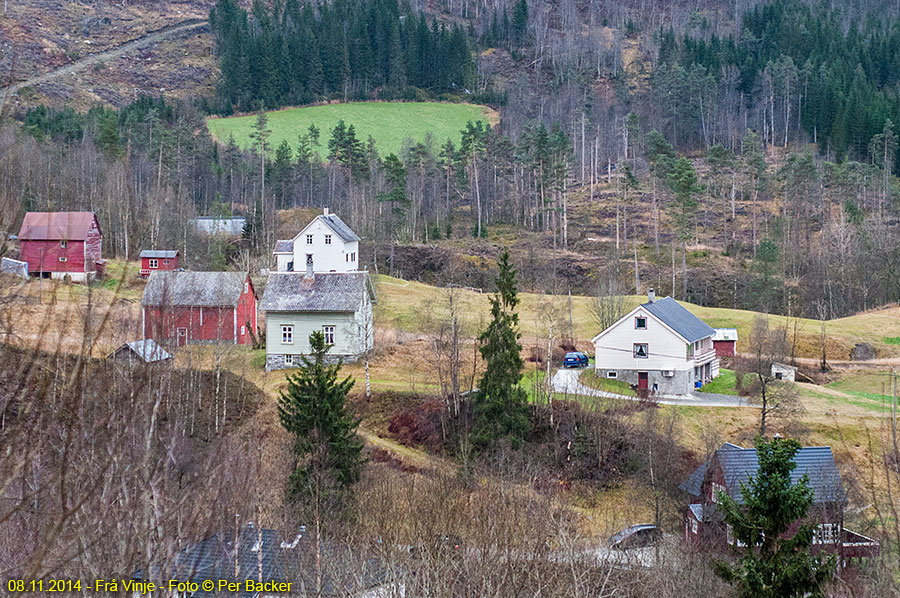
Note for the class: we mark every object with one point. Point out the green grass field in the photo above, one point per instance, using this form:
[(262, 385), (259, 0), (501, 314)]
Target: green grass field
[(388, 123)]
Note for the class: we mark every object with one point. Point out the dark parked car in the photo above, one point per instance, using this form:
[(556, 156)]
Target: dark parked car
[(636, 536), (575, 359)]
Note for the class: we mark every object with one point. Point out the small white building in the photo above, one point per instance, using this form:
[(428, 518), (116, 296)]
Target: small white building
[(659, 346), (783, 371), (326, 243)]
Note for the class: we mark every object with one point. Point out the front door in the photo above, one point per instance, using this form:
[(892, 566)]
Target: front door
[(643, 379), (182, 337)]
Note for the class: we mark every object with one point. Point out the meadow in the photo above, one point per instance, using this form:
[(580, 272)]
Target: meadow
[(388, 123)]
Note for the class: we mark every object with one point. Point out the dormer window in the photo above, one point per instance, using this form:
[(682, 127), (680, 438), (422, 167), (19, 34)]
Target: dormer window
[(309, 239), (640, 323), (328, 239)]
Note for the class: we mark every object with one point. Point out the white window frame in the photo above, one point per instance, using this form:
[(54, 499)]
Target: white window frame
[(693, 526), (287, 335), (64, 259), (63, 244), (246, 287), (243, 330), (153, 264), (328, 331), (288, 359), (309, 239), (328, 239), (634, 350), (612, 374), (636, 327)]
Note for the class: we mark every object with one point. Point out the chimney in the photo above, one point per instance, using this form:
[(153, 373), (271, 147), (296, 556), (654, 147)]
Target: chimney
[(651, 296), (309, 269), (325, 211)]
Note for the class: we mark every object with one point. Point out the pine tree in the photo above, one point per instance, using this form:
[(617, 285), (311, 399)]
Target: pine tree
[(683, 182), (314, 410), (500, 409), (779, 566), (520, 23)]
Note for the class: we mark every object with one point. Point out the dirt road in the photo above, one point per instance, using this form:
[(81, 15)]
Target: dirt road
[(149, 39)]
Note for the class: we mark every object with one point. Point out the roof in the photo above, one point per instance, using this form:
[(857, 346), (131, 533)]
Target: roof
[(725, 334), (164, 253), (331, 291), (284, 246), (739, 463), (269, 555), (16, 267), (776, 365), (51, 226), (675, 316), (338, 226), (148, 350), (215, 225), (199, 289)]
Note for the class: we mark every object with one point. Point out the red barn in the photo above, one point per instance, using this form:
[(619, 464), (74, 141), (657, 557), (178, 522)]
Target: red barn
[(60, 244), (724, 341), (155, 259), (199, 307)]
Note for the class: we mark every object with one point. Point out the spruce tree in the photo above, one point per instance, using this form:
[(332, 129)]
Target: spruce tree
[(314, 409), (500, 408), (778, 566)]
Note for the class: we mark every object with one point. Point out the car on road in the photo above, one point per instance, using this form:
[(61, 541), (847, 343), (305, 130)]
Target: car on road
[(575, 359), (635, 536)]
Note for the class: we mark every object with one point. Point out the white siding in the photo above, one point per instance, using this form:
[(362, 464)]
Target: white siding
[(666, 350), (281, 262), (326, 258)]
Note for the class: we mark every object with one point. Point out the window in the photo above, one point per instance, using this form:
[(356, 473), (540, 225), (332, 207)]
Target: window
[(290, 266), (612, 374), (63, 244), (714, 491), (165, 262), (243, 330), (693, 526), (246, 287), (288, 359), (328, 239), (347, 257), (329, 334), (353, 257), (287, 335), (640, 323), (309, 239), (153, 263), (64, 259), (640, 350)]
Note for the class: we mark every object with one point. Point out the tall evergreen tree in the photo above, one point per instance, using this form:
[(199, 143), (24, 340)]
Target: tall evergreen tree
[(500, 408), (683, 181)]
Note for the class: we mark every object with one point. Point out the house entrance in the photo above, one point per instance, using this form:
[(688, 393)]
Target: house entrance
[(643, 379), (182, 337)]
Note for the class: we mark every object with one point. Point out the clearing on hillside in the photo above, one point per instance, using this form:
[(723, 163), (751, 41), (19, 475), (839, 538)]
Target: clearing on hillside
[(388, 123)]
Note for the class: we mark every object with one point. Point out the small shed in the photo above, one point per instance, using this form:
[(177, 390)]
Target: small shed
[(158, 259), (782, 371), (14, 267), (725, 342), (147, 351)]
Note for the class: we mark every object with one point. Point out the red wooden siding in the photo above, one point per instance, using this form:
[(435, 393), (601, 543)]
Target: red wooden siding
[(724, 348), (161, 264), (44, 256)]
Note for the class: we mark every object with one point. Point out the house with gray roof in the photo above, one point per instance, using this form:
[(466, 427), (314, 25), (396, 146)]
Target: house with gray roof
[(731, 468), (659, 347), (339, 304), (145, 351), (326, 244)]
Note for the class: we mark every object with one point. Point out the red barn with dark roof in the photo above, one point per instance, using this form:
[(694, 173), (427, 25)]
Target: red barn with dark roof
[(60, 244), (199, 307)]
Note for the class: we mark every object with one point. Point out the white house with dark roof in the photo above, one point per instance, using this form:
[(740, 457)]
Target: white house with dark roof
[(339, 304), (658, 346), (326, 243)]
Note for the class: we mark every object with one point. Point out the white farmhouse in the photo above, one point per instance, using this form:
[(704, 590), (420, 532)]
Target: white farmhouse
[(659, 346), (326, 243)]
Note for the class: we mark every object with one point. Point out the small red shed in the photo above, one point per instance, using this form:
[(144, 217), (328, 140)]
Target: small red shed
[(725, 341), (158, 259), (199, 307), (60, 244)]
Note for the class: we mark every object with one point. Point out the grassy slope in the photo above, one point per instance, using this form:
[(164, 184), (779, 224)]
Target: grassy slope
[(386, 122)]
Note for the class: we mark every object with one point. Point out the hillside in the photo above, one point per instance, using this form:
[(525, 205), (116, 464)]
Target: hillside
[(389, 124)]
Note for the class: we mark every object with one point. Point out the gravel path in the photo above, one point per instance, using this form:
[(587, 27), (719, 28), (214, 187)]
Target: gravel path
[(566, 381)]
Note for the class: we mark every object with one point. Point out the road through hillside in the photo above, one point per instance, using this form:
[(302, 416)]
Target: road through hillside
[(148, 39)]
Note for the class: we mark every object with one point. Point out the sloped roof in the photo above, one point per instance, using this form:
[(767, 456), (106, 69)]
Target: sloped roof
[(338, 226), (676, 317), (331, 291), (157, 253), (147, 350), (51, 226), (284, 246), (199, 289), (739, 463), (725, 334), (214, 225), (270, 556)]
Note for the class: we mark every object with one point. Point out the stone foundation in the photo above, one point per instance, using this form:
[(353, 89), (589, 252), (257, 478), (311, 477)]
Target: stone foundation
[(275, 361)]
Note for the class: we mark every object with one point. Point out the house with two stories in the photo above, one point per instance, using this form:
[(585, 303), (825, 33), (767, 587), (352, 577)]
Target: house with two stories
[(732, 466), (62, 245), (199, 307), (326, 244), (659, 347)]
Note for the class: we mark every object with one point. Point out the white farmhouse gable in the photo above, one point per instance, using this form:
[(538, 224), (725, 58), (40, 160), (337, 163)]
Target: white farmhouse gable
[(658, 346), (326, 243)]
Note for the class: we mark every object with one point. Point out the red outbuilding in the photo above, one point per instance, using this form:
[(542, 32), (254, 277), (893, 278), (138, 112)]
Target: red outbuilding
[(725, 341), (199, 307), (157, 259), (61, 244)]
